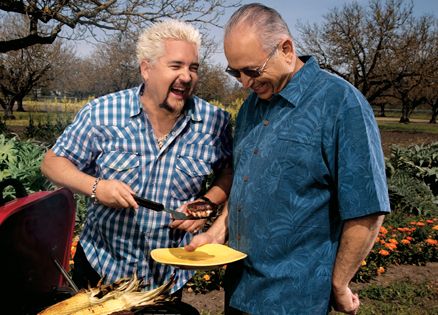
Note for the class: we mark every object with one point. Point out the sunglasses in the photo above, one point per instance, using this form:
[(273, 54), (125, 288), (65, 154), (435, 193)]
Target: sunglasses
[(252, 73)]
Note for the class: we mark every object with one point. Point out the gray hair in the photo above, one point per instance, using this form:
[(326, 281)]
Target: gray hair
[(150, 45), (268, 23)]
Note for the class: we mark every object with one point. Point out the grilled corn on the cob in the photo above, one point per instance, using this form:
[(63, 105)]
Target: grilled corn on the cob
[(106, 299)]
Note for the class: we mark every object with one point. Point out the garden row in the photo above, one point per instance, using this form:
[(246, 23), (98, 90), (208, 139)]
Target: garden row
[(409, 234)]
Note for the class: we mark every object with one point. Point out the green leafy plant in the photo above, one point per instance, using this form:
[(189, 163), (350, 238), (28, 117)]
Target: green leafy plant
[(414, 243), (205, 281), (21, 160), (412, 174), (48, 129)]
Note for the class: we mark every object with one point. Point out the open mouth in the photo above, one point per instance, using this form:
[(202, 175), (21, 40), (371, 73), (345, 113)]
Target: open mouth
[(179, 91)]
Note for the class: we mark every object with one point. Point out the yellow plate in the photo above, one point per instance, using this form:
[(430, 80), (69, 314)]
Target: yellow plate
[(205, 257)]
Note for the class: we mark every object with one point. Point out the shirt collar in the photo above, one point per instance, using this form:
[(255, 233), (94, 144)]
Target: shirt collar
[(135, 106), (192, 109), (301, 81)]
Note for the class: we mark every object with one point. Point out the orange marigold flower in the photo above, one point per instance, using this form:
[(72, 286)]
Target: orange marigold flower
[(363, 263), (403, 229), (380, 270), (382, 242), (420, 224), (383, 230), (206, 277), (405, 241), (432, 242), (377, 239), (413, 222), (429, 221), (393, 241), (435, 227), (409, 238), (391, 246), (383, 252)]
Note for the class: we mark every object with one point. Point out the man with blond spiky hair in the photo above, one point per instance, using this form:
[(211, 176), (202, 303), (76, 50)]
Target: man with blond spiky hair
[(157, 141)]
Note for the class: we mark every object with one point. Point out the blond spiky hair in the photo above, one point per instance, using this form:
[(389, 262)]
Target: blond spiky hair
[(150, 45)]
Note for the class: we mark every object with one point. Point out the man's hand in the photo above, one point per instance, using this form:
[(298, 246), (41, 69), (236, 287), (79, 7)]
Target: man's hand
[(345, 301), (198, 240), (191, 226), (115, 194)]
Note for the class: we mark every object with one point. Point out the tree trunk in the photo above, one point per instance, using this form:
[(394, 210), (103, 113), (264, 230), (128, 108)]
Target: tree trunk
[(9, 110), (404, 119), (434, 113), (433, 118), (20, 105), (382, 110)]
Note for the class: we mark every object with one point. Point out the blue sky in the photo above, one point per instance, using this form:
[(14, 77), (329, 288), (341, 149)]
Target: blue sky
[(293, 11), (312, 11)]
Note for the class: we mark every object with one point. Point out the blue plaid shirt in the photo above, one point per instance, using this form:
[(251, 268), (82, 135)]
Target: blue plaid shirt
[(303, 162), (112, 138)]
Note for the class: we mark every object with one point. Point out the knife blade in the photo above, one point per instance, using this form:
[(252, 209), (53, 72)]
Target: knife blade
[(156, 206)]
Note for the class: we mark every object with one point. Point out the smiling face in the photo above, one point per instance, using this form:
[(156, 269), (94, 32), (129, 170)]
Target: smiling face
[(243, 49), (171, 80)]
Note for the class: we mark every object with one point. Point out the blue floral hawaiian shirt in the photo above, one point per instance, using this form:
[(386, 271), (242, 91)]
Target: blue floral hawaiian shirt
[(304, 162)]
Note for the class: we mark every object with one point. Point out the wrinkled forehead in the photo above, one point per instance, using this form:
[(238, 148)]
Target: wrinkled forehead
[(243, 48)]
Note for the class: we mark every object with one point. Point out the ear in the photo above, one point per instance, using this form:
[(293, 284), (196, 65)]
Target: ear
[(287, 49), (144, 70)]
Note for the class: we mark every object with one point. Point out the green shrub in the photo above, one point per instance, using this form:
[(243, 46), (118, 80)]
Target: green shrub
[(414, 243), (21, 160), (412, 174), (47, 130), (205, 281)]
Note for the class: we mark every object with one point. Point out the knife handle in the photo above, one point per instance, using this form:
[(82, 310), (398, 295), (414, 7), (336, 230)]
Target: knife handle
[(149, 204)]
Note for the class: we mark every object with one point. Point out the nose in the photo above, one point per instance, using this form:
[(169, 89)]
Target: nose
[(245, 80), (185, 75)]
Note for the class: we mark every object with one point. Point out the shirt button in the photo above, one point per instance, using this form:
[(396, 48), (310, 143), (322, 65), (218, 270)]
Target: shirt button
[(256, 151), (265, 122), (245, 178)]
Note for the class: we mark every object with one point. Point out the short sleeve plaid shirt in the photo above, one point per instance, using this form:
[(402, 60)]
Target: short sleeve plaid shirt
[(112, 138)]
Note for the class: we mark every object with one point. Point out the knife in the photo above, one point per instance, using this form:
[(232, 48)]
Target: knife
[(156, 206)]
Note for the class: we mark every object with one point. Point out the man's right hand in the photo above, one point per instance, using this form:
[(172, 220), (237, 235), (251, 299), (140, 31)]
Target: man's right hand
[(115, 194)]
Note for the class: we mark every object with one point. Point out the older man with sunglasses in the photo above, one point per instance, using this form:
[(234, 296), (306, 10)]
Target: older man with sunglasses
[(309, 191)]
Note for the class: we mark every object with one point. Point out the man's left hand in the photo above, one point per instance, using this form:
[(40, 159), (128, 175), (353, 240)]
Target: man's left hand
[(191, 226), (346, 301)]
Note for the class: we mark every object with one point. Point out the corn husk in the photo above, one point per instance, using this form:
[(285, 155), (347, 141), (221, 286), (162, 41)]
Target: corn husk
[(106, 299)]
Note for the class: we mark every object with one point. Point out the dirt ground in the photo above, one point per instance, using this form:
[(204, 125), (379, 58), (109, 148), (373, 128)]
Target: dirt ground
[(404, 139), (212, 303)]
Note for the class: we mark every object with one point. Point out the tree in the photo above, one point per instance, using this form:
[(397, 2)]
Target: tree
[(24, 69), (413, 65), (356, 42), (83, 18)]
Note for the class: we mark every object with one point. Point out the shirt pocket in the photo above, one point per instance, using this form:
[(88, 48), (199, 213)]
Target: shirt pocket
[(190, 174), (122, 166)]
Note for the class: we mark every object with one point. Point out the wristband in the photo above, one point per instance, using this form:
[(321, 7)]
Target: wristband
[(93, 190), (205, 198)]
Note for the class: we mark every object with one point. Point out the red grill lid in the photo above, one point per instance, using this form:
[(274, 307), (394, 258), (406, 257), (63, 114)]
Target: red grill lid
[(35, 230)]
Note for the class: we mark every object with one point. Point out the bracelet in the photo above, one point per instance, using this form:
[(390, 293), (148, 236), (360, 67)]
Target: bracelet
[(205, 198), (93, 190)]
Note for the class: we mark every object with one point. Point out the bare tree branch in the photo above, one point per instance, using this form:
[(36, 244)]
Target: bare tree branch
[(83, 16)]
